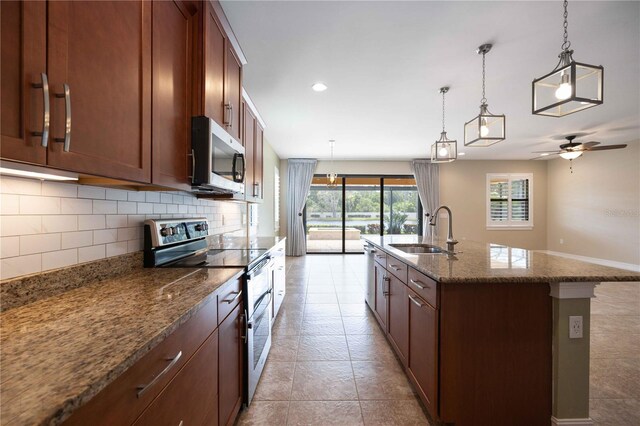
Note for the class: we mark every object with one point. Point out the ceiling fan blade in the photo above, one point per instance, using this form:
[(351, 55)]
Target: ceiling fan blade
[(590, 144), (546, 152), (543, 157), (606, 147)]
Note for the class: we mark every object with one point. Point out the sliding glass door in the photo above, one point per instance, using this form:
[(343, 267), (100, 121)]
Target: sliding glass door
[(336, 217)]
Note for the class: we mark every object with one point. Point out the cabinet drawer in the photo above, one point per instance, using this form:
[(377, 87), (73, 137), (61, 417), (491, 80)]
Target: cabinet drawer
[(397, 268), (228, 298), (122, 401), (380, 257), (424, 286), (191, 398)]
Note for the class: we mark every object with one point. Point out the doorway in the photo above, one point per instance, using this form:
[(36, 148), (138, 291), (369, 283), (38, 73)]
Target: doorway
[(337, 216)]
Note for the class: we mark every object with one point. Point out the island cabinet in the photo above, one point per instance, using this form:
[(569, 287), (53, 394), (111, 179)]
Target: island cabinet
[(398, 326), (194, 376), (381, 302)]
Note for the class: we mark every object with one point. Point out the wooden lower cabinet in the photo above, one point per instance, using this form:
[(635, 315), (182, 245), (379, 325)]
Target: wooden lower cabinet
[(191, 397), (423, 350), (398, 317), (231, 361), (381, 296)]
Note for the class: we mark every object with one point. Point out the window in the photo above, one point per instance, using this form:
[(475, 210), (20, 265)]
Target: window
[(509, 201)]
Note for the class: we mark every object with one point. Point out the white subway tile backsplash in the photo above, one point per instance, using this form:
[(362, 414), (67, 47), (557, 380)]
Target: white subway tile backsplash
[(9, 247), (136, 196), (77, 239), (20, 265), (87, 254), (115, 249), (127, 207), (103, 236), (59, 223), (105, 207), (30, 204), (9, 204), (116, 194), (39, 243), (59, 259), (46, 225), (86, 222), (153, 197), (76, 206), (20, 225), (59, 189), (91, 192), (14, 185)]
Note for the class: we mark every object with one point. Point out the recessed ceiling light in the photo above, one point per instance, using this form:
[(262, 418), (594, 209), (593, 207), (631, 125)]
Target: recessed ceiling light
[(319, 87), (462, 154)]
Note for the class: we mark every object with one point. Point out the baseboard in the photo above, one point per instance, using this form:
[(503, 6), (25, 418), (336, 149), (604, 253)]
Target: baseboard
[(603, 262), (571, 422)]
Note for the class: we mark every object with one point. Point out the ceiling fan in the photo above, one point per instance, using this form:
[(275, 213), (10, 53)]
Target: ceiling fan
[(572, 150)]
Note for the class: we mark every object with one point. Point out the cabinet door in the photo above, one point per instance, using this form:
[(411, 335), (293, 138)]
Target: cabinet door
[(248, 140), (233, 91), (213, 54), (398, 316), (258, 159), (423, 350), (24, 53), (279, 278), (191, 398), (231, 363), (102, 51), (171, 93), (381, 296)]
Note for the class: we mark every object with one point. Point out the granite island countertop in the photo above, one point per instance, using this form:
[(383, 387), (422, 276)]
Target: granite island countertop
[(60, 351), (488, 262)]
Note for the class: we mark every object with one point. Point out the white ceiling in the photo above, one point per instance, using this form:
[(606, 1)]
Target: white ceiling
[(385, 61)]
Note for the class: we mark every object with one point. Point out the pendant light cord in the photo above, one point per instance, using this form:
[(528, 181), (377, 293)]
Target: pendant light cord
[(566, 44), (484, 99), (443, 92)]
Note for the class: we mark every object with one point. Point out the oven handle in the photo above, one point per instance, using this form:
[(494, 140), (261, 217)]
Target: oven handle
[(261, 267), (245, 319), (255, 314)]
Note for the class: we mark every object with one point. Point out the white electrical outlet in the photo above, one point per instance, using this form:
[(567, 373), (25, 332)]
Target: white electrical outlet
[(561, 240), (575, 327)]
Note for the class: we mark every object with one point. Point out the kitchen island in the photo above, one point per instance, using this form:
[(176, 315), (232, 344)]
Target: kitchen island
[(483, 334)]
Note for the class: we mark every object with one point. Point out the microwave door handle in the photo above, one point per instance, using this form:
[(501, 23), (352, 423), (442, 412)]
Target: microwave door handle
[(242, 168)]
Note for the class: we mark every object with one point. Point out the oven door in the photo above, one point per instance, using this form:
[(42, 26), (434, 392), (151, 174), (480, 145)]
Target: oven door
[(259, 342)]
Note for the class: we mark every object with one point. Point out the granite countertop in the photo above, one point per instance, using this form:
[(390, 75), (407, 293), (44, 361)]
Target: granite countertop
[(231, 243), (60, 351), (482, 262)]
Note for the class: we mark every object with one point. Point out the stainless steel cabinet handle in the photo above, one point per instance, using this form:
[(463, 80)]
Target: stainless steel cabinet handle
[(416, 301), (228, 114), (46, 109), (238, 294), (143, 388), (395, 267), (67, 120), (418, 284), (245, 319), (256, 189), (181, 423)]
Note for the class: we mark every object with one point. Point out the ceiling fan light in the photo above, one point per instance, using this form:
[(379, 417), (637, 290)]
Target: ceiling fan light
[(570, 155)]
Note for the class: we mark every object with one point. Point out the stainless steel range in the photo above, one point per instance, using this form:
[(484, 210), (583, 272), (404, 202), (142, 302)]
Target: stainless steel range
[(182, 243)]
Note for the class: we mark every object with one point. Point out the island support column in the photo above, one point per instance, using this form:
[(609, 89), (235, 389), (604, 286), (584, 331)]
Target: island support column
[(570, 393)]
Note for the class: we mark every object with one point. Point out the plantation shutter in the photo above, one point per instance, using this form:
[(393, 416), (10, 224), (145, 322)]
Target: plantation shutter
[(499, 190), (520, 200)]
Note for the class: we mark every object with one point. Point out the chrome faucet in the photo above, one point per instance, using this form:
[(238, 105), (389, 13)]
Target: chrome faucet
[(434, 217)]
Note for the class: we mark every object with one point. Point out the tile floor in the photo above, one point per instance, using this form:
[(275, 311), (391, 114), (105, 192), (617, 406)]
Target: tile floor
[(331, 365)]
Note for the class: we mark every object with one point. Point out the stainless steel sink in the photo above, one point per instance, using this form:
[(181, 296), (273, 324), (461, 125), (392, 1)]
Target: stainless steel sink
[(418, 248)]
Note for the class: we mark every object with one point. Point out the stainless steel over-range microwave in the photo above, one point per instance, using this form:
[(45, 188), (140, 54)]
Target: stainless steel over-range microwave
[(217, 158)]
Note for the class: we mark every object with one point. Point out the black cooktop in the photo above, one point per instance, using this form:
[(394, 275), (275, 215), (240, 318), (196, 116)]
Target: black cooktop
[(227, 258)]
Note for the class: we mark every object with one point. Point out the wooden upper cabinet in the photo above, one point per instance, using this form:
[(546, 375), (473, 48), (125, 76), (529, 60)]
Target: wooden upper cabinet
[(24, 43), (248, 140), (102, 51), (173, 26), (210, 81), (258, 168), (233, 91)]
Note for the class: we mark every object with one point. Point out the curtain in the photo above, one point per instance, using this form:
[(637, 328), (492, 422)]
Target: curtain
[(428, 182), (299, 182)]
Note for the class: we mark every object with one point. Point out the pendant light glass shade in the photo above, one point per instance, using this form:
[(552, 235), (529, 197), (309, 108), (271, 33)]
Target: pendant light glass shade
[(444, 150), (332, 177), (570, 87), (485, 129)]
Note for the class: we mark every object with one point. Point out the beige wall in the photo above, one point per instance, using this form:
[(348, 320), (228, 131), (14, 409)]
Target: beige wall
[(463, 188), (266, 210), (596, 210)]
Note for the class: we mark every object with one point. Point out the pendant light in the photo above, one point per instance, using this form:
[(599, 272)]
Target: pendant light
[(444, 150), (332, 177), (485, 129), (570, 87)]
